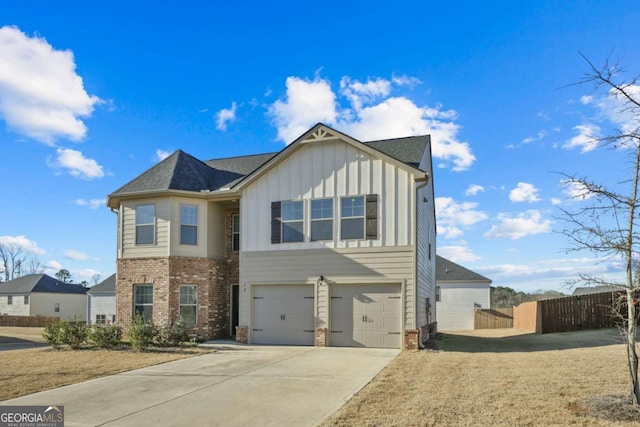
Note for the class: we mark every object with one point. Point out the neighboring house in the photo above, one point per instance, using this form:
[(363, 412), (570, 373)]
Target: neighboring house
[(102, 301), (42, 295), (330, 241), (460, 292)]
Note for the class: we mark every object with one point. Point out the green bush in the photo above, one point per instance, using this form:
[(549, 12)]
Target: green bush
[(60, 333), (53, 334), (74, 334), (141, 333), (105, 336), (172, 334)]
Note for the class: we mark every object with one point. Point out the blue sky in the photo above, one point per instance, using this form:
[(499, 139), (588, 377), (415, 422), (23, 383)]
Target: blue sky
[(91, 96)]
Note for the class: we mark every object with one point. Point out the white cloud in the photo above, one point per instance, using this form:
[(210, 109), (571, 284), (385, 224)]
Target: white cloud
[(586, 99), (453, 215), (585, 139), (161, 155), (52, 267), (458, 253), (474, 189), (523, 224), (614, 106), (91, 204), (77, 165), (539, 136), (41, 96), (371, 113), (83, 274), (405, 80), (556, 201), (76, 255), (307, 102), (225, 116), (524, 192), (21, 242), (576, 190)]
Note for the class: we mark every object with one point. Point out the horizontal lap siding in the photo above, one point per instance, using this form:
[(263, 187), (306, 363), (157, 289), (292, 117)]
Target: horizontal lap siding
[(337, 266), (163, 215), (455, 310)]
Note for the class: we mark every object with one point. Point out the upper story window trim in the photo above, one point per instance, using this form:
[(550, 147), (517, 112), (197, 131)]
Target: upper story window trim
[(352, 217), (321, 219), (235, 232), (188, 224), (146, 224), (292, 221)]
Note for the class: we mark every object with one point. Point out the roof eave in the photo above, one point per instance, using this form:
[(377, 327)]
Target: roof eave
[(113, 200)]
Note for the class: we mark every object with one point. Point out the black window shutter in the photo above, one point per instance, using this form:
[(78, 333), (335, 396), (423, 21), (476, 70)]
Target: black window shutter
[(372, 216), (276, 222)]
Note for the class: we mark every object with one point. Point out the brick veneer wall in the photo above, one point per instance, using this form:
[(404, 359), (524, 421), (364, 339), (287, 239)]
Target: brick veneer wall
[(166, 274)]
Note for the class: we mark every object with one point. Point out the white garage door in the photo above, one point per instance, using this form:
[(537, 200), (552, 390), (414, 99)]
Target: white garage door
[(283, 315), (366, 316)]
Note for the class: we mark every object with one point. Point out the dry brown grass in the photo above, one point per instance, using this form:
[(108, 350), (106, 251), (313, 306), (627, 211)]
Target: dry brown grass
[(29, 371), (496, 377)]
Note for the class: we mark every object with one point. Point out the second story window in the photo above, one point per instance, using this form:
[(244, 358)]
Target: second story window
[(321, 219), (352, 217), (188, 225), (235, 233), (145, 224), (292, 221)]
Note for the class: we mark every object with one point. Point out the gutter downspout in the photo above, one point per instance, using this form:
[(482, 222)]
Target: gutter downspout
[(415, 280)]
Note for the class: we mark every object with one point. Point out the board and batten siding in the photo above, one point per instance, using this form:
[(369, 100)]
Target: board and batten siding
[(425, 249), (456, 308), (329, 170), (338, 266)]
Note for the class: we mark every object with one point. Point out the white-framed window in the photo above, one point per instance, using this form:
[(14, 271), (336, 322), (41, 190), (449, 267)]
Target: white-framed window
[(101, 319), (56, 307), (235, 233), (143, 301), (188, 225), (189, 304), (292, 221), (352, 217), (437, 293), (9, 299), (145, 224), (321, 219), (26, 300)]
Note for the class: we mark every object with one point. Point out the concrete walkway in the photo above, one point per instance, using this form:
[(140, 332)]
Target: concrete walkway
[(238, 385)]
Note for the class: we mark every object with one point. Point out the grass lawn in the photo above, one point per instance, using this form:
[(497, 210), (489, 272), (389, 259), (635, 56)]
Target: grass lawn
[(494, 377), (29, 371)]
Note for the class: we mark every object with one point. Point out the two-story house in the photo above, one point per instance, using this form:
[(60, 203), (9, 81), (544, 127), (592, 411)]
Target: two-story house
[(329, 242)]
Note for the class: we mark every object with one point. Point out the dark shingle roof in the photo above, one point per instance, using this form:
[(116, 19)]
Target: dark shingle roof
[(448, 271), (588, 290), (39, 283), (181, 171), (107, 286), (408, 150)]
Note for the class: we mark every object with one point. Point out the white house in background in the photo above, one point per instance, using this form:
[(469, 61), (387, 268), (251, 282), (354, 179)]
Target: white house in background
[(42, 295), (102, 301), (459, 291)]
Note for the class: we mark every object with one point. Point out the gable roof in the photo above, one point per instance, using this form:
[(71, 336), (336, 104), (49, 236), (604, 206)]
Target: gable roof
[(183, 172), (107, 286), (39, 283), (449, 271), (588, 290)]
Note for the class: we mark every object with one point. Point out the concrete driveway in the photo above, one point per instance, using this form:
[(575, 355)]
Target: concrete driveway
[(239, 385)]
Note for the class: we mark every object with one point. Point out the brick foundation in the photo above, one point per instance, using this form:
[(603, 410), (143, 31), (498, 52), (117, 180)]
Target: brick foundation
[(321, 337), (242, 334), (411, 338)]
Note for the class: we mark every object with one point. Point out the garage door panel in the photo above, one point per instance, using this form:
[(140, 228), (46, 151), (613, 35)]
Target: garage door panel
[(366, 316), (283, 315)]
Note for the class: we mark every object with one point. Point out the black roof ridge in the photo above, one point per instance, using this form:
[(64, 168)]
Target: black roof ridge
[(239, 157), (426, 135)]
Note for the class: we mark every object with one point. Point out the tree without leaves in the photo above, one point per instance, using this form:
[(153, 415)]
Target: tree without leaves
[(16, 262), (606, 223)]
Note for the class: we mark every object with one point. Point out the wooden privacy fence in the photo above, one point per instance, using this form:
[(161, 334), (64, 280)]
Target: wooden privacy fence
[(28, 321), (493, 319), (565, 314)]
